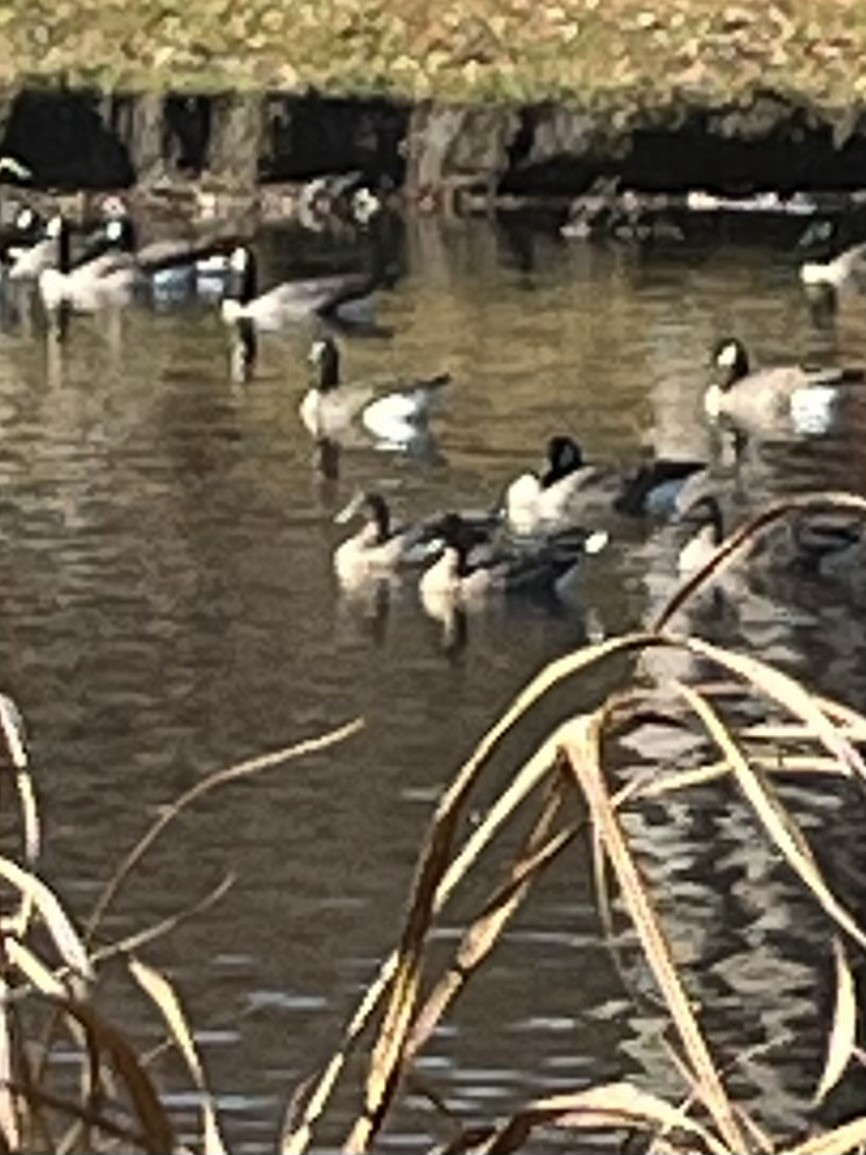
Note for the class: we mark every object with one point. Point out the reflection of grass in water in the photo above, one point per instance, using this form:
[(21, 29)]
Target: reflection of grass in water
[(801, 734), (461, 48)]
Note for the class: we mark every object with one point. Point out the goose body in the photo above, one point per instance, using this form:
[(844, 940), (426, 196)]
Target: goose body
[(382, 549), (764, 400), (342, 297), (463, 577), (329, 408), (105, 278), (845, 268), (569, 492)]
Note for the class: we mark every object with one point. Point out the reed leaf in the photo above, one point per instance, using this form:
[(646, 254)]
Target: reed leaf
[(581, 744), (105, 1040), (843, 1140), (10, 1130), (484, 932), (612, 1106), (773, 816), (158, 988), (233, 773), (66, 937), (843, 1034)]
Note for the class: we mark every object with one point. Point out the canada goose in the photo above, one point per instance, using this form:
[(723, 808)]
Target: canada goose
[(381, 548), (107, 275), (761, 399), (569, 491), (50, 249), (461, 578), (396, 416)]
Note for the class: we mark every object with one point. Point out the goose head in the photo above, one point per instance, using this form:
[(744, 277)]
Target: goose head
[(731, 358), (457, 541), (564, 456), (324, 356), (373, 508)]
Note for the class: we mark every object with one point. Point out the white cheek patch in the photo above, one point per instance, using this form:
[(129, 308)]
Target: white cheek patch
[(239, 260), (317, 352), (728, 356)]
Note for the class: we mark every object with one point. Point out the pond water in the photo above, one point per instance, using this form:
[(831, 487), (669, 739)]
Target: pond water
[(169, 608)]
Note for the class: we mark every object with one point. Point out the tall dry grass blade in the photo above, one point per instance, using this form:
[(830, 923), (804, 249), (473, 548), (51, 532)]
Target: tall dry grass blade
[(843, 1034), (785, 692), (744, 537), (434, 878), (480, 937), (12, 730), (158, 988), (105, 1039), (843, 1140), (10, 1130), (64, 934), (611, 1106), (297, 1135), (298, 1132), (581, 744), (219, 778), (34, 970), (769, 810), (141, 938), (103, 1124)]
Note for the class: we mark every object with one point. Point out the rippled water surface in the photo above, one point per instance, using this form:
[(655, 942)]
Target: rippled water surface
[(169, 608)]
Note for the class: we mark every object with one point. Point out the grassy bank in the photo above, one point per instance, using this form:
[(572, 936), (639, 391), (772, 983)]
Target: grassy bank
[(593, 49)]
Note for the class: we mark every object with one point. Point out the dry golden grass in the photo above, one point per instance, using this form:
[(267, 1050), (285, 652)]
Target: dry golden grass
[(508, 49)]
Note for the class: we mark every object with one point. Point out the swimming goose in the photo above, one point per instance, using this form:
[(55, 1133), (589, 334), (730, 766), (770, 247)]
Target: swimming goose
[(565, 492), (382, 549), (569, 491), (25, 230), (341, 298), (762, 399), (107, 275), (395, 417), (461, 580), (49, 249), (845, 268)]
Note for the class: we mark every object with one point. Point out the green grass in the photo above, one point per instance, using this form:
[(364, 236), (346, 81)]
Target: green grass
[(453, 49)]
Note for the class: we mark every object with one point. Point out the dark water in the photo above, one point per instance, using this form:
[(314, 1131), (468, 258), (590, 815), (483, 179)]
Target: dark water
[(169, 608)]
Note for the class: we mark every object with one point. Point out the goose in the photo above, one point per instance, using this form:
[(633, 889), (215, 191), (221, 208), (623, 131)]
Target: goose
[(845, 268), (107, 275), (50, 249), (344, 299), (762, 399), (461, 580), (26, 229), (569, 491), (382, 549), (395, 417)]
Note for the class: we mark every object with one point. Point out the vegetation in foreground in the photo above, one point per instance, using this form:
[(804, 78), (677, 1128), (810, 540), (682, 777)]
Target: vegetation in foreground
[(457, 49), (568, 792)]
